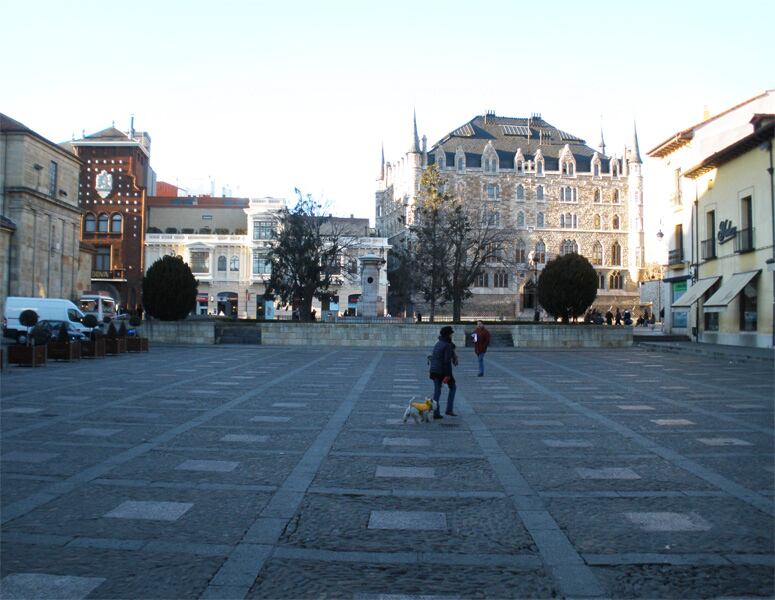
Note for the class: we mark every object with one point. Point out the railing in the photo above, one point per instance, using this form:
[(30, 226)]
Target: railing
[(675, 257), (708, 249), (744, 240), (113, 274)]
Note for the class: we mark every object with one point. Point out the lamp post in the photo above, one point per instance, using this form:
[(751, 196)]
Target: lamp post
[(533, 267), (660, 235)]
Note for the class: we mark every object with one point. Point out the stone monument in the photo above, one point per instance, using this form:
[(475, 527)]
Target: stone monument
[(371, 304)]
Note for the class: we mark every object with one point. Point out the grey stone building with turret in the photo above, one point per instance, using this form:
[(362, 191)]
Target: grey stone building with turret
[(549, 191)]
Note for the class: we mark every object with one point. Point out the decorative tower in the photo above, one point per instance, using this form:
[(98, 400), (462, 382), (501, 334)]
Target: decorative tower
[(414, 164), (636, 255)]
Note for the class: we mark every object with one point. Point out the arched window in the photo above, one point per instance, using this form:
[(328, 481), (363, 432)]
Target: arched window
[(539, 257), (615, 222), (460, 161), (597, 196), (540, 193), (221, 263), (521, 254), (520, 166), (89, 223), (492, 192), (616, 254), (568, 247), (115, 223), (540, 167), (615, 169), (596, 222), (562, 221), (596, 169), (597, 253), (520, 192), (615, 281), (601, 281), (567, 168), (540, 220), (102, 223), (616, 197), (234, 263), (520, 219)]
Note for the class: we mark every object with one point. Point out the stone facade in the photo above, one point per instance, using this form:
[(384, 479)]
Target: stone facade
[(231, 267), (40, 235), (546, 189)]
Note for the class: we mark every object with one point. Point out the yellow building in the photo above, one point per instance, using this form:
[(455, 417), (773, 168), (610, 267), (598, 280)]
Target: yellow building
[(722, 239)]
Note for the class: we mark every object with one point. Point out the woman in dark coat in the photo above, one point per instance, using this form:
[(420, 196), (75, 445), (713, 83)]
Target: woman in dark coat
[(441, 362)]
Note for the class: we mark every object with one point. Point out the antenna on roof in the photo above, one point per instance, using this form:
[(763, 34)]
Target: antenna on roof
[(132, 125)]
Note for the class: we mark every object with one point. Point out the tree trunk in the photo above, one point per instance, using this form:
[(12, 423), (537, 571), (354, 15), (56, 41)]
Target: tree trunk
[(457, 307), (433, 310)]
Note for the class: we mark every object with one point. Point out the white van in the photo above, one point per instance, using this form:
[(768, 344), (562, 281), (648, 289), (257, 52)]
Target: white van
[(102, 307), (50, 309)]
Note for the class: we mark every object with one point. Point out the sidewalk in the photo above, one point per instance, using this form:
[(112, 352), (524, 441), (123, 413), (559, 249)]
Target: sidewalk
[(730, 353)]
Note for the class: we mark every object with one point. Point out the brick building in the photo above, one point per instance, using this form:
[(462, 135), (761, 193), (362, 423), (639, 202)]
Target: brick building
[(115, 179), (552, 194)]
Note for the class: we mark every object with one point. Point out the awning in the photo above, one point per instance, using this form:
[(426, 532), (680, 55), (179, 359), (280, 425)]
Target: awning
[(695, 292), (676, 278), (732, 287)]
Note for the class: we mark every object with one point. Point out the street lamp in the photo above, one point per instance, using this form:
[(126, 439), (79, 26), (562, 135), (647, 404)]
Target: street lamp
[(533, 267)]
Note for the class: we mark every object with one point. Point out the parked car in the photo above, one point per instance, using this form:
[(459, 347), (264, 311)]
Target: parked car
[(48, 309), (75, 335)]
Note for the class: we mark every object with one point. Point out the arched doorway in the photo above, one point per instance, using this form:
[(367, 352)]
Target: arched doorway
[(227, 304), (529, 296)]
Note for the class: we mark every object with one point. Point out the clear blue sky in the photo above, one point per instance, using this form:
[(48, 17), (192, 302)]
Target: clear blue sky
[(263, 97)]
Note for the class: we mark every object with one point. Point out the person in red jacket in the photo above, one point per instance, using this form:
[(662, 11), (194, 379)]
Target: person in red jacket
[(481, 339)]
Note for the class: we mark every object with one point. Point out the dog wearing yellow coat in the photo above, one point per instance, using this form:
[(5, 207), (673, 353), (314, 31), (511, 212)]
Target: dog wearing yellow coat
[(421, 412)]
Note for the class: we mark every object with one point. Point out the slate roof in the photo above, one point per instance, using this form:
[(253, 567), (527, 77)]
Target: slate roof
[(509, 134), (9, 125), (110, 133)]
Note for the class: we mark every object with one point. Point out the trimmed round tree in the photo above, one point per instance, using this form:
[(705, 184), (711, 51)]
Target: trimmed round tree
[(567, 286), (169, 289)]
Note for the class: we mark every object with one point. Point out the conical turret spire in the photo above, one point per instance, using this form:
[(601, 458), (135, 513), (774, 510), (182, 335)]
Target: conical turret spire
[(635, 148), (416, 141), (382, 164), (602, 142)]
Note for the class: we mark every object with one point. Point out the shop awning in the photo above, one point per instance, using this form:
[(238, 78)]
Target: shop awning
[(695, 292), (719, 301)]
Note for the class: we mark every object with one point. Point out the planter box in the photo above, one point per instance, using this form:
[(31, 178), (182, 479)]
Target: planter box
[(137, 344), (64, 351), (115, 345), (93, 348), (27, 356)]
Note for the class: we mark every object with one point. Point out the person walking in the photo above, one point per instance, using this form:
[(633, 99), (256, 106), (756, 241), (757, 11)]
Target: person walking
[(618, 317), (441, 361), (481, 339), (609, 316)]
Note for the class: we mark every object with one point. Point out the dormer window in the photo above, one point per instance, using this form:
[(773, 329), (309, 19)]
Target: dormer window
[(568, 169), (460, 161), (540, 167), (490, 160), (615, 169)]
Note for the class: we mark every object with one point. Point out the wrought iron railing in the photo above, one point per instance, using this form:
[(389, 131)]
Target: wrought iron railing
[(675, 257), (744, 240), (708, 249)]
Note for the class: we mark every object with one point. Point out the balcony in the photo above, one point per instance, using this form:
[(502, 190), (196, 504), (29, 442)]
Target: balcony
[(744, 240), (109, 275), (675, 257), (708, 249)]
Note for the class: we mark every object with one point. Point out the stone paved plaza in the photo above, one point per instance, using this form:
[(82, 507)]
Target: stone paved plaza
[(267, 472)]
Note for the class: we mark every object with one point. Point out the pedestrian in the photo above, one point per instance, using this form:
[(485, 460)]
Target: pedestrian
[(652, 321), (481, 339), (441, 361), (618, 317), (609, 316), (419, 317)]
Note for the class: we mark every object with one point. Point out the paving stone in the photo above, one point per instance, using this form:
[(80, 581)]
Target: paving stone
[(25, 586), (216, 466), (407, 472), (668, 521), (95, 432), (635, 407), (244, 437), (405, 519), (23, 410), (270, 419), (290, 404), (406, 442), (29, 457), (607, 473), (672, 422), (150, 510), (724, 441), (567, 443)]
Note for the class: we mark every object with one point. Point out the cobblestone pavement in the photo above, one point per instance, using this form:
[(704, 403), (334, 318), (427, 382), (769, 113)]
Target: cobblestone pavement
[(260, 472)]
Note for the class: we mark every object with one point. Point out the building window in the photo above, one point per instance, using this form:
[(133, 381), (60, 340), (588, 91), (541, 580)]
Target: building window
[(491, 218), (520, 167), (568, 221), (616, 254), (102, 223), (490, 164), (615, 222), (200, 262), (520, 192), (601, 281), (521, 253), (540, 193), (460, 163), (500, 279), (711, 321), (234, 263), (102, 259), (616, 197), (615, 281), (115, 223), (747, 301), (482, 280), (492, 191), (597, 253), (615, 169), (222, 263), (52, 180), (569, 247), (596, 222), (596, 169), (597, 196), (568, 194), (261, 266), (540, 167), (539, 257), (89, 223), (263, 230), (520, 219), (493, 252), (540, 219), (568, 169)]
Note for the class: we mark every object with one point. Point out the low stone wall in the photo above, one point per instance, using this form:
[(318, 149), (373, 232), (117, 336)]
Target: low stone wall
[(347, 334), (556, 335), (179, 332)]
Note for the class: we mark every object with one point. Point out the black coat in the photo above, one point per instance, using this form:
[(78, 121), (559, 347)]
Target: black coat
[(442, 357)]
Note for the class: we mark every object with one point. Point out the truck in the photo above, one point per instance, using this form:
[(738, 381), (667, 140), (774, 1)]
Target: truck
[(48, 309), (101, 306)]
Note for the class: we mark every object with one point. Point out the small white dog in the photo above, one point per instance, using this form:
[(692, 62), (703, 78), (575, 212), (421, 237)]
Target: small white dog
[(420, 411)]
